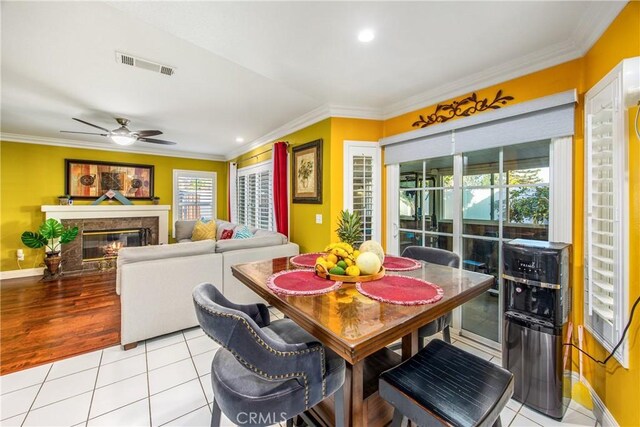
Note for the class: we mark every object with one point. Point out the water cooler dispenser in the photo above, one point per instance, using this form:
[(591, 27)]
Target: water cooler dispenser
[(536, 308)]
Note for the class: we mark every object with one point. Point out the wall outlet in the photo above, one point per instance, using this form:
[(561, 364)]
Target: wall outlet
[(318, 218), (20, 254)]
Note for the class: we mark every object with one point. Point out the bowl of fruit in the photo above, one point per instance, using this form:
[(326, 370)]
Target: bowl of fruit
[(344, 263)]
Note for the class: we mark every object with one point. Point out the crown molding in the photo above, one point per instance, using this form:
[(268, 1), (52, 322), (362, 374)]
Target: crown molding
[(366, 113), (594, 22), (545, 58), (60, 142), (307, 119)]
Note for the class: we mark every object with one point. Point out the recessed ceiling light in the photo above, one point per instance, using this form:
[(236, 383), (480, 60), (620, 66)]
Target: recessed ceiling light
[(239, 139), (366, 35)]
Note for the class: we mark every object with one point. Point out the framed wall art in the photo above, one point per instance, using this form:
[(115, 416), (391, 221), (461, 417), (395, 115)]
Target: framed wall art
[(307, 173), (88, 179)]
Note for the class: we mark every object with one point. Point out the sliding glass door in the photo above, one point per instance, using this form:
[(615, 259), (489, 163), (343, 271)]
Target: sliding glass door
[(471, 203)]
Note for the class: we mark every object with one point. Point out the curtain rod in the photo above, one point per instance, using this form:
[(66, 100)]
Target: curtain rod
[(255, 156)]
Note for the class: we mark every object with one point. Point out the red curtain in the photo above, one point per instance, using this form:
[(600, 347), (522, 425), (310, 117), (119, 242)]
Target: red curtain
[(280, 193)]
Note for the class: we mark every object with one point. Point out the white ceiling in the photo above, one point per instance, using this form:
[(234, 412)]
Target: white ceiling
[(260, 69)]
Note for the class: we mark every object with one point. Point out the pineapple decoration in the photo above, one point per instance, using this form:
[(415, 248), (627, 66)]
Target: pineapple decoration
[(349, 227)]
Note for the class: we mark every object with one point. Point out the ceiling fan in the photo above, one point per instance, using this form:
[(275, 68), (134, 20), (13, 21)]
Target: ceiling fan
[(122, 135)]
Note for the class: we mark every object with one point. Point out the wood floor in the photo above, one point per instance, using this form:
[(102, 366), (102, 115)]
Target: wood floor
[(46, 321)]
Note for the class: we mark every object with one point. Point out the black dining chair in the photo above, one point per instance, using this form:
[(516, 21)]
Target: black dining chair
[(445, 386), (266, 372), (441, 257)]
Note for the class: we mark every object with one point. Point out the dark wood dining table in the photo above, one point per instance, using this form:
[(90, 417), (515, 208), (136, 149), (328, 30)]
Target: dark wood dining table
[(359, 329)]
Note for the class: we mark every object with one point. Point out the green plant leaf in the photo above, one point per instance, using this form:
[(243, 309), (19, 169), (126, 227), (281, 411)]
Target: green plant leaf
[(51, 228), (68, 235), (33, 240)]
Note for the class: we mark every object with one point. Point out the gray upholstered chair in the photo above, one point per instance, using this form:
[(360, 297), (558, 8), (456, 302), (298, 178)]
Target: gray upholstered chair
[(441, 257), (266, 372)]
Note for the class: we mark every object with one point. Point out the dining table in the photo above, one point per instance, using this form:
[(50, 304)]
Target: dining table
[(360, 329)]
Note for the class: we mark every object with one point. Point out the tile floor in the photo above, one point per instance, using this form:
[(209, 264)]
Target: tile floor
[(164, 381)]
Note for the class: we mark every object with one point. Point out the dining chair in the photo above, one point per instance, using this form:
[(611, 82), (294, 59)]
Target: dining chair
[(443, 385), (441, 257), (266, 372)]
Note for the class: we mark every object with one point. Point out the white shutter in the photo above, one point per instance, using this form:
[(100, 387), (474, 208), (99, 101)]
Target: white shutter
[(607, 204), (362, 185), (194, 195), (255, 195)]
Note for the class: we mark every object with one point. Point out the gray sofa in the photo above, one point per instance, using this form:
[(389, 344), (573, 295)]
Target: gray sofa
[(155, 282)]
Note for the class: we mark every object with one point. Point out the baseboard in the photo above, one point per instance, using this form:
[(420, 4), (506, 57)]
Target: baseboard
[(25, 272), (600, 411)]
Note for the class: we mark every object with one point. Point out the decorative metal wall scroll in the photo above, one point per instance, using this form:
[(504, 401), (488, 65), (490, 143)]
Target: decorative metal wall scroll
[(463, 108)]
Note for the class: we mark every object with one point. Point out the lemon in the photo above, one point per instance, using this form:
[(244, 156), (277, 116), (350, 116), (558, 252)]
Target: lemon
[(329, 264), (320, 260), (353, 271), (332, 258)]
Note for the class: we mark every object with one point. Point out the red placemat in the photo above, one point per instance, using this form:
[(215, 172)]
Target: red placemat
[(403, 290), (306, 260), (300, 282), (399, 263)]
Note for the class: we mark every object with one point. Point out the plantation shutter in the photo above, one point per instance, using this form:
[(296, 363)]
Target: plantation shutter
[(194, 195), (255, 193), (363, 193), (603, 222)]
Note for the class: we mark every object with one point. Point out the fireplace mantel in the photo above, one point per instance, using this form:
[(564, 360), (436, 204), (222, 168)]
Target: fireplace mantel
[(61, 212)]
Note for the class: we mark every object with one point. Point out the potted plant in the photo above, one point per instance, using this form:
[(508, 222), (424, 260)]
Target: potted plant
[(50, 235), (64, 200), (155, 200)]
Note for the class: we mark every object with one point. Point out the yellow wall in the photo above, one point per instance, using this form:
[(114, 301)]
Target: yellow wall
[(347, 130), (33, 175), (619, 388)]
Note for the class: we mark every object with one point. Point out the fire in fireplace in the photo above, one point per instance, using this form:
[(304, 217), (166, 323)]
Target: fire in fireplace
[(97, 245)]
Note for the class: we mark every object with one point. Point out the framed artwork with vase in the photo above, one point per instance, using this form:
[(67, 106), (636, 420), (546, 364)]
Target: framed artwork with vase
[(307, 173), (89, 179)]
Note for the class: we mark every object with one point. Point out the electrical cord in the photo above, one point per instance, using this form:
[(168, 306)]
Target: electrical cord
[(624, 333)]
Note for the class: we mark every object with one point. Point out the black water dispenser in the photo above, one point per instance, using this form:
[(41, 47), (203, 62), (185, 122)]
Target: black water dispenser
[(536, 309)]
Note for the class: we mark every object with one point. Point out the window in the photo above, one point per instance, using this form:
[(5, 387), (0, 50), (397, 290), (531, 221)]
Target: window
[(362, 166), (607, 207), (254, 192), (194, 195)]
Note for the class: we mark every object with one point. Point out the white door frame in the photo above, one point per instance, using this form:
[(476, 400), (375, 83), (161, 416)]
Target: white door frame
[(365, 148)]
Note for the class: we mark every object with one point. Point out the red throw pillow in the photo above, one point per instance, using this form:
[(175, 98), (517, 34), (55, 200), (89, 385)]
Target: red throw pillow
[(226, 234)]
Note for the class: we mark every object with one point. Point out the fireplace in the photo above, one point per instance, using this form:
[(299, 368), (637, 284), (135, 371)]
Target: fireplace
[(151, 220), (100, 244)]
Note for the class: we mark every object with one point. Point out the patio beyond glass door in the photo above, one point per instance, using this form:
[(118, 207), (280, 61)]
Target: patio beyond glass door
[(499, 194)]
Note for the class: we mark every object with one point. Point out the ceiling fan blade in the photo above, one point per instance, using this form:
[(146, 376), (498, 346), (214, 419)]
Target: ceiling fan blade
[(156, 141), (145, 133), (84, 133), (87, 123)]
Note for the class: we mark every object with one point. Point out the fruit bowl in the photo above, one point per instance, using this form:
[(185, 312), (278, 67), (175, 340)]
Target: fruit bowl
[(321, 272)]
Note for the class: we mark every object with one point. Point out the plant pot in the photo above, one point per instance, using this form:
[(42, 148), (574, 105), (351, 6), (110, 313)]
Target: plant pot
[(63, 200), (155, 201), (52, 261)]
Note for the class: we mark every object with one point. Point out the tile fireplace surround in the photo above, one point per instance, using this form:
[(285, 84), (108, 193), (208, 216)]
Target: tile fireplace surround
[(107, 217)]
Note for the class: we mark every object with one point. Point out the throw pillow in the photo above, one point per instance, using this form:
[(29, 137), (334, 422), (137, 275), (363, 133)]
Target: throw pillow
[(204, 231), (226, 234), (242, 232)]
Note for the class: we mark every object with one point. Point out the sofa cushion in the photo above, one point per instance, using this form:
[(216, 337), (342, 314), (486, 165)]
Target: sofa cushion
[(242, 232), (222, 226), (184, 230), (259, 240), (129, 255), (204, 231), (226, 234)]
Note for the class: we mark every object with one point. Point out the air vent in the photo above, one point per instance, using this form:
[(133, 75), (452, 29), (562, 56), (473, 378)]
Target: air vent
[(133, 61)]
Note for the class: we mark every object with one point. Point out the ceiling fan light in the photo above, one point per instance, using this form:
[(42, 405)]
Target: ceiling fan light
[(123, 139)]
